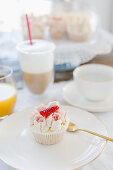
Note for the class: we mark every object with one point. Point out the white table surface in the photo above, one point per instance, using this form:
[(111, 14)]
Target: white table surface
[(25, 99)]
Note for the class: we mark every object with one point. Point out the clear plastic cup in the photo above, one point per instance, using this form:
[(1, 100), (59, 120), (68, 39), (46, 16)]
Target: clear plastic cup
[(37, 64)]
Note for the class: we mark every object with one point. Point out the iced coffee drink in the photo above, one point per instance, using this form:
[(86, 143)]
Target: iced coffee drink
[(37, 62)]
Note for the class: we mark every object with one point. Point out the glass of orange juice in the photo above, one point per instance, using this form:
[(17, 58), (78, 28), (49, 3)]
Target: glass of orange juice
[(8, 91)]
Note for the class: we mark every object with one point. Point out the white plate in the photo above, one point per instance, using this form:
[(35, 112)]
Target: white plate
[(19, 149), (72, 96), (82, 52)]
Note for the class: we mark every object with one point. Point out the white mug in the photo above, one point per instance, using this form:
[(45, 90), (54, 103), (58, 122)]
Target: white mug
[(94, 81)]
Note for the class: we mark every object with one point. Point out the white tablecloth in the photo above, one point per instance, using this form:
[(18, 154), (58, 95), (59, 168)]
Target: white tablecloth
[(25, 99)]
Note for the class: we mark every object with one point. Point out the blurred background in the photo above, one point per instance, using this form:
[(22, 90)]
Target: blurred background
[(9, 19), (11, 33)]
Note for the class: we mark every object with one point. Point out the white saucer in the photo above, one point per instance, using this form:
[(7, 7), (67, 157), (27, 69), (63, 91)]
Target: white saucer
[(19, 149), (72, 96)]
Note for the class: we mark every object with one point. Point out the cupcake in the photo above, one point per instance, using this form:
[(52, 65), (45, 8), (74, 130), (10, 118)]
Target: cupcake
[(81, 25), (49, 123), (57, 26), (37, 26)]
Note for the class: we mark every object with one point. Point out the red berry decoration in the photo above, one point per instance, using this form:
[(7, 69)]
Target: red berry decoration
[(57, 18), (56, 117), (47, 112)]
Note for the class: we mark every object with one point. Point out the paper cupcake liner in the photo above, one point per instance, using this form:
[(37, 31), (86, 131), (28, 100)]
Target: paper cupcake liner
[(48, 138), (56, 34), (79, 37)]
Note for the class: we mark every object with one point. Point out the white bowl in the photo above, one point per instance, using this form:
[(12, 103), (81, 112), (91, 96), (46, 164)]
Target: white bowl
[(94, 81)]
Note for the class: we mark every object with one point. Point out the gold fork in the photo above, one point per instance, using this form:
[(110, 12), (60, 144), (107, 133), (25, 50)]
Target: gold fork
[(73, 128)]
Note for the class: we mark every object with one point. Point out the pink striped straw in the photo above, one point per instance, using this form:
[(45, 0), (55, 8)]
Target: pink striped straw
[(29, 30)]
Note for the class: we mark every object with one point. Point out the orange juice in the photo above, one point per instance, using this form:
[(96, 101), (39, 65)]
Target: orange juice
[(7, 99)]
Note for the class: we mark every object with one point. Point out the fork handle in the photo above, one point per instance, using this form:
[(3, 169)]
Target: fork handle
[(96, 134)]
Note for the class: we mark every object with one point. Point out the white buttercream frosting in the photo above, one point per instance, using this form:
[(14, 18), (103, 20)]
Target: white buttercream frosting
[(82, 22), (55, 122)]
